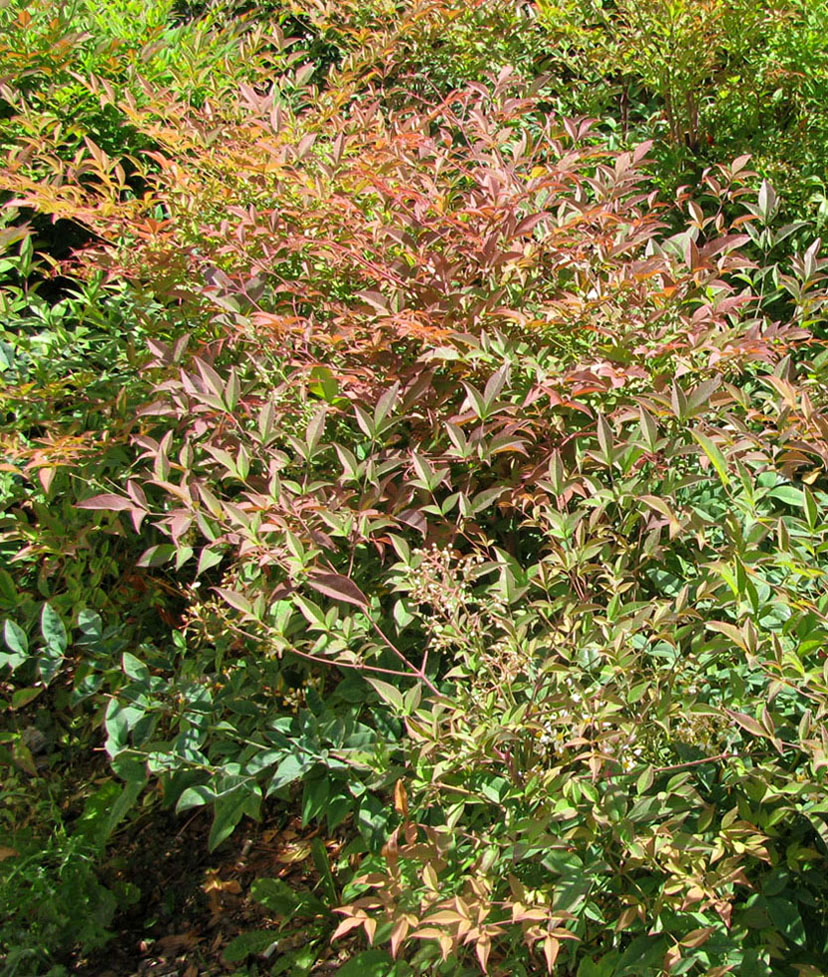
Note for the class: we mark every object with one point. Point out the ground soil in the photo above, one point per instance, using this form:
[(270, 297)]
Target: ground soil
[(193, 903)]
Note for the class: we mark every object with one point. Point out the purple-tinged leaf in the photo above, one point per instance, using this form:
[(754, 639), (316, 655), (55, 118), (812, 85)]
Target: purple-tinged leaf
[(338, 587), (155, 556), (748, 723), (234, 599), (107, 502), (376, 300), (415, 519)]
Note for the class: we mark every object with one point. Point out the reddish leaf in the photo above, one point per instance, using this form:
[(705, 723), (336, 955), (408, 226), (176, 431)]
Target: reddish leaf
[(339, 587), (236, 600), (109, 503), (748, 723)]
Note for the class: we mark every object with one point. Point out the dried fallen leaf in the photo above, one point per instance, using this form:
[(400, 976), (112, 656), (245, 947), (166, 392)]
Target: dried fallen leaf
[(170, 945), (214, 884), (297, 852), (400, 799)]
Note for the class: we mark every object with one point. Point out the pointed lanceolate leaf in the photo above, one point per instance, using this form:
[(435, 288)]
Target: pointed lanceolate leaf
[(385, 404), (717, 459), (15, 638), (387, 692), (157, 555), (605, 440), (229, 809), (55, 642), (338, 587), (54, 633), (107, 502), (239, 601), (649, 429), (660, 506), (251, 943), (747, 722), (207, 558), (369, 963), (767, 202)]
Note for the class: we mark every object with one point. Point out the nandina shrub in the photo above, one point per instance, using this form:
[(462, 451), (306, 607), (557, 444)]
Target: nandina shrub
[(51, 56), (467, 425), (707, 81), (67, 72), (422, 50), (491, 442)]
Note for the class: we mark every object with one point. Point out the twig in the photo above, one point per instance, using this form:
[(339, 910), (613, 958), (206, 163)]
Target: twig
[(415, 672), (695, 763)]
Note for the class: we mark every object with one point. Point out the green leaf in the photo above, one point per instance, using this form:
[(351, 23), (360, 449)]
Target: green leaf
[(402, 613), (8, 591), (278, 897), (327, 386), (54, 633), (645, 780), (91, 626), (476, 401), (182, 554), (158, 555), (729, 630), (678, 401), (369, 963), (322, 862), (767, 202), (788, 494), (196, 796), (605, 440), (108, 806), (372, 819), (119, 720), (134, 668), (15, 638), (660, 506), (337, 810), (22, 697), (254, 943), (312, 612), (717, 459), (229, 810), (483, 500), (300, 962), (236, 600), (811, 509), (386, 692), (427, 477), (207, 558), (290, 769), (748, 722), (649, 429), (315, 798)]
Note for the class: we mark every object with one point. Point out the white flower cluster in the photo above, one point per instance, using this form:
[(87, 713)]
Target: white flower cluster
[(629, 760), (562, 726), (699, 730), (444, 581)]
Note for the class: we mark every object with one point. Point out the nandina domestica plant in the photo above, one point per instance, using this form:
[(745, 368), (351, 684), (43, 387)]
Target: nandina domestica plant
[(489, 493)]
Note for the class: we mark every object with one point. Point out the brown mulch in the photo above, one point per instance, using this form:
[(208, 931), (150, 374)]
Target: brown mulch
[(194, 903)]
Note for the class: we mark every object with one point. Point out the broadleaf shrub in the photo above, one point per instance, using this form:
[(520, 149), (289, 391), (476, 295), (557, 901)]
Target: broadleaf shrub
[(490, 485)]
